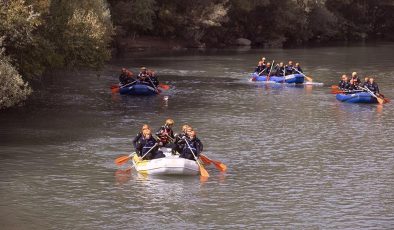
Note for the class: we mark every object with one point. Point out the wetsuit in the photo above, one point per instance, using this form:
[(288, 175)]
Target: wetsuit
[(344, 84), (144, 145), (373, 87), (279, 71), (297, 68), (135, 140), (289, 69), (195, 146)]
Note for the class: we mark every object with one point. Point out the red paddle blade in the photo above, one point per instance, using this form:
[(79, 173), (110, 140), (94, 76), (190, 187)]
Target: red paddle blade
[(222, 167), (205, 160), (164, 86), (115, 90), (121, 160)]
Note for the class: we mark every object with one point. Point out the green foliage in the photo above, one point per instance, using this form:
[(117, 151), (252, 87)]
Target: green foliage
[(13, 90)]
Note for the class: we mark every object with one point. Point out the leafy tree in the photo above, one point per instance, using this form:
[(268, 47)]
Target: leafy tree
[(13, 89)]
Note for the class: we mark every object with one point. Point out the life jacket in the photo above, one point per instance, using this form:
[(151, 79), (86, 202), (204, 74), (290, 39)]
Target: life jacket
[(146, 144), (164, 134)]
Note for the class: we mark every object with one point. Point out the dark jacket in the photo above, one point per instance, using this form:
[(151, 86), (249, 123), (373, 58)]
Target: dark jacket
[(124, 79), (344, 84), (373, 87), (297, 68), (194, 145), (259, 68), (279, 71), (135, 140), (144, 145), (289, 69)]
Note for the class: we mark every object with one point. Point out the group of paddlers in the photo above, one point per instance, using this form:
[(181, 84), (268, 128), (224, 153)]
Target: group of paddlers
[(145, 76), (186, 144), (281, 70), (354, 83)]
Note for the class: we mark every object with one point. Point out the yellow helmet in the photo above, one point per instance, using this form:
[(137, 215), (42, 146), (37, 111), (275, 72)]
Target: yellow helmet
[(170, 122)]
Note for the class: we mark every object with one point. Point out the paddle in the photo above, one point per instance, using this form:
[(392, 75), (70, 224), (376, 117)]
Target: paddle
[(164, 86), (380, 100), (203, 172), (123, 159), (157, 91), (262, 71), (219, 165), (269, 74), (307, 78), (115, 89)]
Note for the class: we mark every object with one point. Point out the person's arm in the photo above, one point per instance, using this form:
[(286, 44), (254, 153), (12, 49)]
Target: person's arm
[(135, 140)]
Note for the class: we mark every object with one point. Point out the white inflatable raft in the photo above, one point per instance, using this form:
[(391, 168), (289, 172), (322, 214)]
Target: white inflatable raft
[(169, 165)]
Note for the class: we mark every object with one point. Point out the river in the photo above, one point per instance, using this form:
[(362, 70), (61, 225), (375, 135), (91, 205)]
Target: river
[(296, 157)]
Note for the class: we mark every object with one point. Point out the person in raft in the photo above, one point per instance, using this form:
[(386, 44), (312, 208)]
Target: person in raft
[(148, 143), (298, 68), (356, 79), (289, 68), (373, 86), (280, 70), (179, 143), (261, 66), (139, 135), (191, 143), (166, 134), (344, 83), (353, 84), (267, 69), (148, 77), (126, 77)]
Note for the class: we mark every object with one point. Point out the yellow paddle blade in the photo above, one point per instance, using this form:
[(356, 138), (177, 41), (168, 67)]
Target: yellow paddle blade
[(380, 100), (121, 160), (203, 172), (309, 79)]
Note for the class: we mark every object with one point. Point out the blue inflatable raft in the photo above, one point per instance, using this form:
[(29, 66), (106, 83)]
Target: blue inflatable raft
[(292, 78), (360, 97), (138, 89)]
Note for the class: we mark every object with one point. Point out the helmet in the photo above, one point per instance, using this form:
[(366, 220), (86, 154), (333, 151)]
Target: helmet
[(169, 122), (143, 68)]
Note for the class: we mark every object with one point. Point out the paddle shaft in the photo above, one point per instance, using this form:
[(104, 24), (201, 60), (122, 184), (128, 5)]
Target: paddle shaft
[(194, 155), (262, 71), (380, 100), (308, 78), (153, 84), (128, 84), (269, 74)]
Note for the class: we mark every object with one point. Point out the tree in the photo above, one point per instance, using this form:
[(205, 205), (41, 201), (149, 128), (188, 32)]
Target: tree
[(13, 89)]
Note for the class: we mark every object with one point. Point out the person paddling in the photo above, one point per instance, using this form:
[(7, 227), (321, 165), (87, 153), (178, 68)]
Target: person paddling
[(356, 79), (145, 144), (178, 138), (139, 135), (344, 83), (280, 70), (298, 68), (267, 69), (373, 86), (166, 134), (126, 77), (289, 68), (192, 147)]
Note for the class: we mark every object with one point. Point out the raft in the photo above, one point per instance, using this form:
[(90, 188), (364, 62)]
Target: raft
[(169, 165), (138, 89), (359, 97), (291, 79)]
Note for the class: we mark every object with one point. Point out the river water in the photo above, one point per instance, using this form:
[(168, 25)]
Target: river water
[(297, 158)]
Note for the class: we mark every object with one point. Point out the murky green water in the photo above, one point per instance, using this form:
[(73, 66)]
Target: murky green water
[(296, 157)]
